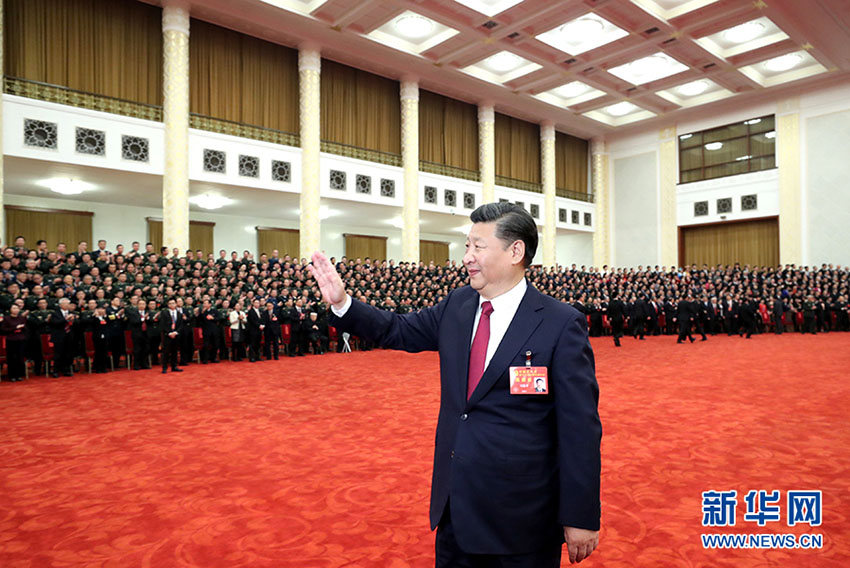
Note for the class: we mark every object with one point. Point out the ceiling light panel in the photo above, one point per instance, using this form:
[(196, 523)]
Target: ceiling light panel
[(669, 9), (501, 67), (303, 7), (570, 94), (618, 114), (210, 201), (647, 69), (742, 38), (582, 34), (783, 69), (412, 32), (489, 7), (695, 93)]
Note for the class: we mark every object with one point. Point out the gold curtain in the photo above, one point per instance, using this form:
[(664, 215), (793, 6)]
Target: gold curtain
[(53, 225), (105, 47), (448, 131), (286, 241), (570, 163), (748, 242), (517, 149), (433, 251), (362, 246), (242, 78), (200, 235), (360, 109)]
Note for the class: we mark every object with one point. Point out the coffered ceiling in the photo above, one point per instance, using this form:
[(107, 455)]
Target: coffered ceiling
[(594, 67)]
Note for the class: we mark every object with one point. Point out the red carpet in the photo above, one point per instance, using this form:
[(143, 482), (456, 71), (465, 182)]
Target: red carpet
[(325, 461)]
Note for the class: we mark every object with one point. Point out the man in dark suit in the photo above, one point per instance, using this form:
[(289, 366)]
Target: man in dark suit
[(298, 320), (271, 332), (616, 314), (514, 478), (138, 321), (255, 330), (208, 320), (61, 322), (686, 314), (170, 325)]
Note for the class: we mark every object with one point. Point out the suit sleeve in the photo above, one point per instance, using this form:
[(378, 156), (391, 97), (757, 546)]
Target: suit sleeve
[(579, 428), (413, 332)]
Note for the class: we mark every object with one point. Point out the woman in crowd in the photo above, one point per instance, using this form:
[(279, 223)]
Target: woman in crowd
[(238, 320), (14, 330)]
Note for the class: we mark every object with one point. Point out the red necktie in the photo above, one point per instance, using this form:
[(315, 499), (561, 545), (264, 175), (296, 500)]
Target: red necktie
[(478, 352)]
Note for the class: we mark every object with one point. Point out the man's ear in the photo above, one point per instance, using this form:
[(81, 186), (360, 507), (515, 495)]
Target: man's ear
[(518, 251)]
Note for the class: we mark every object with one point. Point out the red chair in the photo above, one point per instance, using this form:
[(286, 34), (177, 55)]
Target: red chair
[(228, 341), (800, 320), (333, 337), (89, 341), (3, 358), (198, 343), (128, 347), (606, 324), (47, 352), (662, 321), (286, 336)]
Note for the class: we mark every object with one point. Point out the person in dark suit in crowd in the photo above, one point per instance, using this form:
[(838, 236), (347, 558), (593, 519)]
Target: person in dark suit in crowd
[(484, 515), (153, 334), (317, 333), (671, 311), (271, 332), (297, 318), (61, 322), (171, 323), (640, 315), (14, 327), (654, 310), (686, 314), (138, 322), (208, 321), (777, 310), (701, 319), (255, 330), (100, 340), (185, 338), (712, 315), (809, 315), (115, 330), (596, 310), (748, 312), (730, 315), (616, 314)]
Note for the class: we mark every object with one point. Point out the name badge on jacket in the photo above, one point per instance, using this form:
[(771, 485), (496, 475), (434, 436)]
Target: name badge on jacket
[(529, 380)]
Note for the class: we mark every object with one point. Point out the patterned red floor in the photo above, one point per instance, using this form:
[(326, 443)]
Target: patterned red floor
[(325, 461)]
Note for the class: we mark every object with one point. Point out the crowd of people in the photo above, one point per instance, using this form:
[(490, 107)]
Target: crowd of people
[(76, 305)]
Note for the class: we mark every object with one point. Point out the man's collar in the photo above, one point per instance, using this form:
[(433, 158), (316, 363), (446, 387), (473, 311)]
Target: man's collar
[(510, 298)]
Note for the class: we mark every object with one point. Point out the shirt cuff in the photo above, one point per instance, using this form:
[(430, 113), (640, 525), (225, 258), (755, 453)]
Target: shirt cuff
[(341, 312)]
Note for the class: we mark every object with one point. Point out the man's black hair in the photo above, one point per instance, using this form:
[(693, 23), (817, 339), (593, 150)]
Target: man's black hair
[(513, 223)]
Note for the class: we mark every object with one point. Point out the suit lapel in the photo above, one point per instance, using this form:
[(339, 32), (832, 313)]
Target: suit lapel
[(467, 312), (526, 319)]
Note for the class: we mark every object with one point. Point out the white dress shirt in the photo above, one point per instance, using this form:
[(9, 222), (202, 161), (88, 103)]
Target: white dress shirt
[(504, 309)]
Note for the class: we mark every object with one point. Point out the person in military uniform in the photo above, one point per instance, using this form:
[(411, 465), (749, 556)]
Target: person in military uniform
[(208, 321), (809, 315), (100, 338), (115, 331), (139, 319), (271, 332)]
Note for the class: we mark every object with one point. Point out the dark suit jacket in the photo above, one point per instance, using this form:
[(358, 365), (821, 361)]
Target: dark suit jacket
[(254, 321), (515, 468), (165, 325)]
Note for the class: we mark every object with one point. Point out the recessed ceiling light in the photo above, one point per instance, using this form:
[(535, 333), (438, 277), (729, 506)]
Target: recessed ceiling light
[(744, 32), (66, 186), (571, 90), (489, 7), (783, 62), (582, 34), (714, 145), (620, 109), (752, 121), (649, 68), (209, 201), (742, 158), (503, 62), (413, 26), (583, 29), (770, 135), (685, 136), (693, 88)]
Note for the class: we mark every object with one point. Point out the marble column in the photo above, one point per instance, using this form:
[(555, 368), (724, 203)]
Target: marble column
[(790, 193), (602, 198), (547, 175), (410, 165), (487, 151), (668, 224), (309, 75), (175, 114)]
